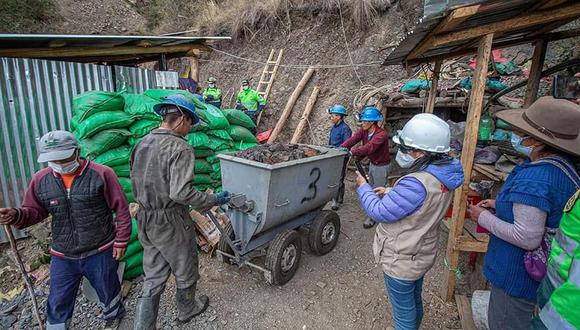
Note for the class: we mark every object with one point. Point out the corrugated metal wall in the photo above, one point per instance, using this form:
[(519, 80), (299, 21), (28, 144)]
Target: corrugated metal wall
[(36, 97)]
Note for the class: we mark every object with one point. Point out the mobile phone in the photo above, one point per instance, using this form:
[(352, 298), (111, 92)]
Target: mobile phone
[(361, 170)]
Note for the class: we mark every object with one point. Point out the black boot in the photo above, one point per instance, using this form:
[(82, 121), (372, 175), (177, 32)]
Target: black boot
[(188, 305), (146, 313)]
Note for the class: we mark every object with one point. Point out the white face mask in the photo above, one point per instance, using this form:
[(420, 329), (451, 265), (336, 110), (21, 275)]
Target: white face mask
[(404, 160), (65, 168), (211, 85), (246, 87)]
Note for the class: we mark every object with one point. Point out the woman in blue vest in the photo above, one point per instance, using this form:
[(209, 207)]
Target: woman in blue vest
[(528, 208)]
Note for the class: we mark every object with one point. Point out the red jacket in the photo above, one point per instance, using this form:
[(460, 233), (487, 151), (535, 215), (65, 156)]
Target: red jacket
[(377, 149)]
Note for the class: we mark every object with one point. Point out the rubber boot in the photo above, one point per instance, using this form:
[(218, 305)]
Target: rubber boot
[(188, 305), (368, 223), (146, 313)]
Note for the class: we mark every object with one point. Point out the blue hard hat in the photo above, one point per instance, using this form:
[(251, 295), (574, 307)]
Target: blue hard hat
[(338, 109), (180, 101), (370, 114)]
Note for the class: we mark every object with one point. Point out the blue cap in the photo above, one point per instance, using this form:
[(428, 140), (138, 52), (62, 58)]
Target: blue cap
[(371, 114), (338, 109), (180, 101)]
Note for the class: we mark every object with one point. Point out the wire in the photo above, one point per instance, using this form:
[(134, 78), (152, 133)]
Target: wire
[(346, 43), (290, 66)]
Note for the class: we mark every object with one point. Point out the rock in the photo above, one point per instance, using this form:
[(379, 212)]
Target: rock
[(224, 322), (211, 319), (7, 321), (321, 285)]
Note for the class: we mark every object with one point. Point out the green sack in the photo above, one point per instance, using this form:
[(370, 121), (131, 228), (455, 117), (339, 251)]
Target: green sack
[(133, 248), (126, 184), (141, 128), (103, 141), (198, 140), (240, 133), (133, 273), (132, 141), (220, 133), (201, 126), (202, 166), (160, 94), (217, 144), (213, 116), (244, 145), (203, 153), (217, 176), (134, 231), (90, 103), (140, 105), (213, 159), (215, 167), (122, 170), (202, 179), (216, 187), (238, 117), (74, 122), (102, 121), (114, 157), (130, 197)]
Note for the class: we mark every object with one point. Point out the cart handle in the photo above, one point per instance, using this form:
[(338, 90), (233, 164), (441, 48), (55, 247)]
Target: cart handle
[(283, 204)]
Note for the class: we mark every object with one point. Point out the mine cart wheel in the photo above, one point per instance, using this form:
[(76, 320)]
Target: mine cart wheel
[(283, 256), (324, 232), (223, 244)]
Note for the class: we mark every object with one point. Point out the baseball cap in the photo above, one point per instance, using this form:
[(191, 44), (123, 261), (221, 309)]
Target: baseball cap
[(56, 145)]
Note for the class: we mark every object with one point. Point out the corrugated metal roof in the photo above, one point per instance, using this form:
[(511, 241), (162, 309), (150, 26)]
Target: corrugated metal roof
[(489, 12)]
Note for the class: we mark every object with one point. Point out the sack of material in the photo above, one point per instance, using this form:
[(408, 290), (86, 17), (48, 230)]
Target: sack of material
[(216, 168), (203, 153), (200, 127), (132, 141), (219, 133), (203, 179), (122, 170), (126, 184), (213, 116), (102, 121), (238, 117), (240, 133), (103, 141), (212, 159), (160, 94), (90, 103), (139, 105), (202, 166), (217, 144), (74, 123), (244, 145), (141, 128), (133, 248), (217, 176), (130, 197), (198, 140), (114, 157)]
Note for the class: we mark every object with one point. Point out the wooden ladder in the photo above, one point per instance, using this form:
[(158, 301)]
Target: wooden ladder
[(267, 77)]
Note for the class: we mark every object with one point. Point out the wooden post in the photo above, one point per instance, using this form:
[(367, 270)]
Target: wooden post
[(535, 72), (305, 114), (433, 91), (290, 105), (467, 155), (194, 68)]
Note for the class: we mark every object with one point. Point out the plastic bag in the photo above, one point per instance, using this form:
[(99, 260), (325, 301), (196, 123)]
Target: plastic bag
[(122, 170), (240, 133), (90, 103), (114, 157), (238, 117), (140, 105), (415, 85), (141, 128), (214, 117), (202, 166), (102, 121), (198, 140), (222, 134), (103, 141)]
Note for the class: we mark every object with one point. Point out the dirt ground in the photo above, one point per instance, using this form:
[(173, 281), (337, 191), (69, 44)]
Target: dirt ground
[(341, 290)]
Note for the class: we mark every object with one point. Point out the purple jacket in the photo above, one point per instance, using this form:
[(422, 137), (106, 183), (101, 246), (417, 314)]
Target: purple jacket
[(408, 195)]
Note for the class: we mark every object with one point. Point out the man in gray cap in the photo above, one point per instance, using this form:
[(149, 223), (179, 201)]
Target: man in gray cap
[(162, 171), (87, 239)]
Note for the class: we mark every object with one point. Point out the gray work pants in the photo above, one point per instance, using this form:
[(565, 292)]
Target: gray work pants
[(169, 246), (509, 313), (378, 175)]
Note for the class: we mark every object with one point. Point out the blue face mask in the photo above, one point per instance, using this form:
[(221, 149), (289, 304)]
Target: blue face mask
[(517, 144)]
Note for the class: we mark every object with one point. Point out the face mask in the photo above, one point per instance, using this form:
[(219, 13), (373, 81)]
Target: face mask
[(404, 160), (246, 88), (517, 144), (65, 168), (211, 85)]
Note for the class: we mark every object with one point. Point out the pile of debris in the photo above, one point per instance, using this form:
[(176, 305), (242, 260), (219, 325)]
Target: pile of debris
[(277, 153)]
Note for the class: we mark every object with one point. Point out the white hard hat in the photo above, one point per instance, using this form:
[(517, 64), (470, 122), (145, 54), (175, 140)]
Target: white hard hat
[(425, 131)]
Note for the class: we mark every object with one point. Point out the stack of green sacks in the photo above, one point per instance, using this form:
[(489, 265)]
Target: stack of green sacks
[(102, 129), (239, 131), (133, 257)]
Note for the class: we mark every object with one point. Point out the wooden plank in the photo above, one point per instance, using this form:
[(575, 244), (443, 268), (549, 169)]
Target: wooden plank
[(290, 105), (535, 73), (433, 90), (468, 244), (305, 115), (465, 313), (525, 21), (67, 52), (452, 20), (194, 68), (467, 157)]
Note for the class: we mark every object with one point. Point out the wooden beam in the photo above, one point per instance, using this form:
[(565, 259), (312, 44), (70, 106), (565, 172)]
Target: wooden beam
[(433, 90), (538, 18), (467, 156), (465, 313), (450, 22), (468, 244), (535, 72), (194, 68), (290, 105), (305, 115), (64, 52)]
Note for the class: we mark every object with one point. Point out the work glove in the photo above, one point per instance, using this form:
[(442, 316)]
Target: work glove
[(222, 197)]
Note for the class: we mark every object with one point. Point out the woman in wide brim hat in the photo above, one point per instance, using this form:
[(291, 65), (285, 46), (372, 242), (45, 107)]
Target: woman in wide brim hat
[(529, 206)]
